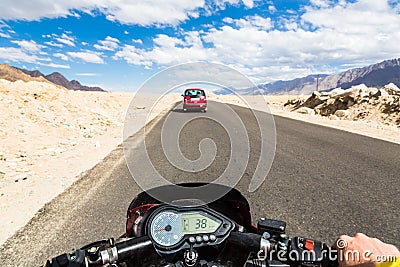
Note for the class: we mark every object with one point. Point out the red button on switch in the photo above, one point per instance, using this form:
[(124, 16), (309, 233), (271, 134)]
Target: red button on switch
[(309, 244)]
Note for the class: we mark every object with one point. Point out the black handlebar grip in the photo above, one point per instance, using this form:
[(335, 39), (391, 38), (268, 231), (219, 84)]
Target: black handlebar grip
[(331, 258), (246, 241), (135, 248)]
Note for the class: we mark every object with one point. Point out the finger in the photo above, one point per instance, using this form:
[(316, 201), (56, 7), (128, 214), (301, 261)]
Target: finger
[(342, 242), (360, 236)]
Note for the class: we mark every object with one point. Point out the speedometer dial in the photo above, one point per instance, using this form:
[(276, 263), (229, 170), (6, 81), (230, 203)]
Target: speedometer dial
[(166, 228)]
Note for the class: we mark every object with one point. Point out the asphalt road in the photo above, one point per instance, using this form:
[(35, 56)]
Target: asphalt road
[(323, 183)]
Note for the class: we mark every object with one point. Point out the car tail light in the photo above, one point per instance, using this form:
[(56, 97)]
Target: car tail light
[(187, 97)]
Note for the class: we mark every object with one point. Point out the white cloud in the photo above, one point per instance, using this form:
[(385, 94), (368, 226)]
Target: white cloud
[(17, 55), (272, 9), (320, 3), (366, 29), (67, 40), (112, 39), (4, 25), (153, 12), (51, 43), (53, 65), (20, 55), (365, 17), (29, 52), (221, 4), (248, 3), (193, 14), (88, 56), (167, 51), (29, 46), (213, 6), (261, 49), (38, 9), (109, 44), (250, 21), (4, 35), (62, 56), (150, 12), (133, 55), (137, 41), (87, 74), (228, 20), (342, 34)]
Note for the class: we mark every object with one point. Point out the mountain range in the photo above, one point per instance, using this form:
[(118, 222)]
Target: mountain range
[(13, 73), (377, 75)]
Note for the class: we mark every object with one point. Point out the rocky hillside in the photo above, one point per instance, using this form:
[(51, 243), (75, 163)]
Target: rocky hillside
[(14, 74), (356, 103), (300, 85), (377, 75), (59, 79)]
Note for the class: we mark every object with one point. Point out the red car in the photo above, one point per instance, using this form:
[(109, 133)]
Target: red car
[(194, 99)]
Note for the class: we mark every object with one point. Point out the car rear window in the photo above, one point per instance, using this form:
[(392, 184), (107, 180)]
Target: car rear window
[(194, 93)]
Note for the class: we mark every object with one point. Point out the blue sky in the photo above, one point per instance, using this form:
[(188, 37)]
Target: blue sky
[(119, 44)]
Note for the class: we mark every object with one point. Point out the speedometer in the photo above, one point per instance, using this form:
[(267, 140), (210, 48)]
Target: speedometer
[(166, 228)]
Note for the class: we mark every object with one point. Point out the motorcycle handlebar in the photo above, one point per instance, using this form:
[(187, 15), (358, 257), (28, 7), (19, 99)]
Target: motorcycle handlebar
[(142, 247)]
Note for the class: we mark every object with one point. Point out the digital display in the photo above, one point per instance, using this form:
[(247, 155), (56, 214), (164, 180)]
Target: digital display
[(196, 223)]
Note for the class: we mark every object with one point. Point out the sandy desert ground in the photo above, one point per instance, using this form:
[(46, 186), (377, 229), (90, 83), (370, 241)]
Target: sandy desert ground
[(49, 135)]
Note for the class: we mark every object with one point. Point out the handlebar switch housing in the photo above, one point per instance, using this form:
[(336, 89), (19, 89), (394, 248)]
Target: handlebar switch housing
[(271, 226), (306, 252)]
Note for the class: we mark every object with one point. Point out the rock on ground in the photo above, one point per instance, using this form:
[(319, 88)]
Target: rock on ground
[(360, 102)]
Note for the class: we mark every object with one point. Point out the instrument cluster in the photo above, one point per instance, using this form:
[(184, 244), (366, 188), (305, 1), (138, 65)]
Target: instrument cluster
[(173, 228)]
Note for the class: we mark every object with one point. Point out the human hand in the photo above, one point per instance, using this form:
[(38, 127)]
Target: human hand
[(364, 251)]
